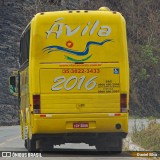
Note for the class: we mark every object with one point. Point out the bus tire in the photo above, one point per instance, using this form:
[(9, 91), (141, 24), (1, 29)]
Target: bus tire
[(114, 145), (104, 148), (118, 149), (101, 147), (25, 143), (31, 145), (47, 146)]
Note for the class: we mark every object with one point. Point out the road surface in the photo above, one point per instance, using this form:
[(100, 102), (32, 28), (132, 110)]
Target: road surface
[(10, 140)]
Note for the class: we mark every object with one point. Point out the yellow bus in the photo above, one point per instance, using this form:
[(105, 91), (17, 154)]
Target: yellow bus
[(73, 80)]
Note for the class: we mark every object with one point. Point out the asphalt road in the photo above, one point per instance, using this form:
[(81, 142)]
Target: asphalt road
[(10, 140)]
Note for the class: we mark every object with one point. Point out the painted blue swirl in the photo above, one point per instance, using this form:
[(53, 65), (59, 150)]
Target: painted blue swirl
[(50, 49)]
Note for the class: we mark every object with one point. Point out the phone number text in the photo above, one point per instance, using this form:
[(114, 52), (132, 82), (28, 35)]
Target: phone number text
[(81, 70)]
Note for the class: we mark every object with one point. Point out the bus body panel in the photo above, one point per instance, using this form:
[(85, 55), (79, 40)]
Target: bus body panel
[(78, 103)]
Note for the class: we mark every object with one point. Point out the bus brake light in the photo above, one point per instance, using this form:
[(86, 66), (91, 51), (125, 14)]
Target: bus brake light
[(123, 102), (36, 103)]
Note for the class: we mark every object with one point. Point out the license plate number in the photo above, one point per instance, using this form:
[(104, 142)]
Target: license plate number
[(80, 125)]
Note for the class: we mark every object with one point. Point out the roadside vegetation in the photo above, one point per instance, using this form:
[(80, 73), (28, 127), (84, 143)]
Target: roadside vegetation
[(149, 137)]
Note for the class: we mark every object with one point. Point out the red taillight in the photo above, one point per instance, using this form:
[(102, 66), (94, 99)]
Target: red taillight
[(117, 114), (123, 102), (36, 103), (42, 115)]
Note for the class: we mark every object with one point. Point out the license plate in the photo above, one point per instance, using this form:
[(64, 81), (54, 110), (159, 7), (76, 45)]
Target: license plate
[(80, 125)]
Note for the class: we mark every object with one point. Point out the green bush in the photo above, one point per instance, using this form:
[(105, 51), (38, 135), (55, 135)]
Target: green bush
[(147, 54)]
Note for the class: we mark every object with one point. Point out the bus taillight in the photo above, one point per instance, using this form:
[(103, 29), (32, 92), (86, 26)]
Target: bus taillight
[(123, 102), (36, 103)]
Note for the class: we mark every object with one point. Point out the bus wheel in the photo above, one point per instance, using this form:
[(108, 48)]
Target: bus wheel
[(114, 150), (113, 145), (31, 145), (44, 145), (47, 146), (118, 148), (119, 151), (25, 143), (101, 147)]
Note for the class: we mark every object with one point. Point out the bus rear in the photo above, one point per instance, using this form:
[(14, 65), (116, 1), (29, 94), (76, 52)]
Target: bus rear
[(78, 79)]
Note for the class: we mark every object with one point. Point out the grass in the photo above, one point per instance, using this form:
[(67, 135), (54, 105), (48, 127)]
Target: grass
[(148, 138)]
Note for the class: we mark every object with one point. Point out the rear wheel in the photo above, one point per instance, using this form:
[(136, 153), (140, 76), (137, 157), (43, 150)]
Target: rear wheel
[(113, 145), (31, 145), (25, 143), (116, 150), (102, 147), (47, 146)]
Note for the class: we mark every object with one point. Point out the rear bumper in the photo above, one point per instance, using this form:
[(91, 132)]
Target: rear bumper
[(63, 123), (89, 138)]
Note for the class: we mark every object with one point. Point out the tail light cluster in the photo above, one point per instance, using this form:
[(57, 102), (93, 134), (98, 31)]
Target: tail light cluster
[(123, 102), (36, 104)]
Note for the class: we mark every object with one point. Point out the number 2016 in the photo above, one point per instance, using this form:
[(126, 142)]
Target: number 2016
[(89, 85)]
